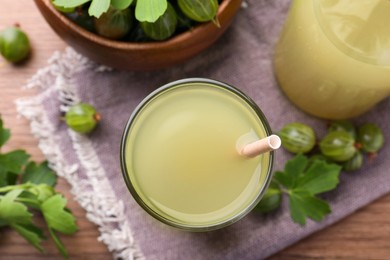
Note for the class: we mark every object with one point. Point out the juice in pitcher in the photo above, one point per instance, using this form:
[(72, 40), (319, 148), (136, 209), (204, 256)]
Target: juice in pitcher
[(333, 56), (179, 154)]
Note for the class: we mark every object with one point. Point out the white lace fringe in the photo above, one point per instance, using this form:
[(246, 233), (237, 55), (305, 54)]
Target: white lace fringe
[(95, 194)]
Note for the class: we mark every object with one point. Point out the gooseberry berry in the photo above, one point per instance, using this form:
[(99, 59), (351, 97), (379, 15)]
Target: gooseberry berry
[(82, 118), (297, 137), (14, 44)]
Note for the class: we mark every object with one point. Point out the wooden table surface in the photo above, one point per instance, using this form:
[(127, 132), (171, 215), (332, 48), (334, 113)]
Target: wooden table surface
[(364, 235)]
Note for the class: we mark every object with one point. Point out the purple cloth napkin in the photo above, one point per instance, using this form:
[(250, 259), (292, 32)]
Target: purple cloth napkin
[(243, 58)]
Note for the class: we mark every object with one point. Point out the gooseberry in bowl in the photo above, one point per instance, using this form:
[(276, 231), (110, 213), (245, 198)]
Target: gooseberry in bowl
[(136, 50)]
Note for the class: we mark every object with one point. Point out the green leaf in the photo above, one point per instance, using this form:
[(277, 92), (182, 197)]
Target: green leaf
[(42, 192), (301, 183), (150, 10), (303, 205), (98, 7), (295, 167), (121, 4), (14, 212), (13, 161), (56, 216), (39, 174), (283, 179), (320, 177), (29, 199), (4, 134), (7, 178), (31, 233), (17, 216), (69, 3), (11, 178), (292, 171), (58, 243)]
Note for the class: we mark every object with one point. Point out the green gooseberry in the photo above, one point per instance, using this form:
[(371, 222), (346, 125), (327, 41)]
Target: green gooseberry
[(354, 163), (82, 19), (343, 125), (137, 35), (114, 24), (199, 10), (271, 200), (371, 138), (82, 118), (338, 146), (184, 23), (297, 137), (14, 44), (164, 27)]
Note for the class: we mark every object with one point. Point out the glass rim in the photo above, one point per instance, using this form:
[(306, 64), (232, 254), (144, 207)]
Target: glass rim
[(143, 204)]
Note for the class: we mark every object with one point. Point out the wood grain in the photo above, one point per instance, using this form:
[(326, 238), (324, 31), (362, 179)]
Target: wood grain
[(84, 244), (364, 235)]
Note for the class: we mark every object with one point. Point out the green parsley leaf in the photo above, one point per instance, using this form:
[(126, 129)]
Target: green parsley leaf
[(320, 177), (302, 184), (57, 217), (4, 134), (150, 10), (98, 7), (13, 161), (303, 205), (39, 174), (16, 215), (34, 190), (11, 165), (292, 171), (121, 4), (30, 199), (14, 212), (57, 241), (69, 3), (31, 233), (7, 178)]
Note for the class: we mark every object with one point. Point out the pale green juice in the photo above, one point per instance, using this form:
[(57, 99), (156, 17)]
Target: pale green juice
[(333, 57), (181, 155)]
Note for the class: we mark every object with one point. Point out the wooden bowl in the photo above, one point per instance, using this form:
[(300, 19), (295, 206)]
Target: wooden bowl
[(139, 56)]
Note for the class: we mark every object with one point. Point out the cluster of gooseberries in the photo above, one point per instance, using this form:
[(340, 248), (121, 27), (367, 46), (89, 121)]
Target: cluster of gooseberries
[(179, 16), (343, 144)]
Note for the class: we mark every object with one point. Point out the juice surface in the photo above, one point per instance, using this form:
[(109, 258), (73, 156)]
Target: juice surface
[(333, 57), (182, 154)]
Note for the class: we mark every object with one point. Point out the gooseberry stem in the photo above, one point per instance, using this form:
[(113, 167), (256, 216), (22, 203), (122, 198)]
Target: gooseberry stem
[(97, 117), (358, 146)]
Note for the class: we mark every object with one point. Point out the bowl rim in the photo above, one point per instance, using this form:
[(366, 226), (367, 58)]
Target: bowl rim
[(121, 45)]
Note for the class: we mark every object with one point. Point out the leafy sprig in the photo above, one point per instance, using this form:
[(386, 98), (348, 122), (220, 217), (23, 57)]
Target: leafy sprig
[(145, 10), (302, 181), (27, 188)]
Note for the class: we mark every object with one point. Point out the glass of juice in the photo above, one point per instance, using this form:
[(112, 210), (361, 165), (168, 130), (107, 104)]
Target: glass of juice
[(180, 159), (333, 57)]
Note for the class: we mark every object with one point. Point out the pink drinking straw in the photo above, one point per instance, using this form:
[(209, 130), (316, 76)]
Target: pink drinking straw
[(264, 145)]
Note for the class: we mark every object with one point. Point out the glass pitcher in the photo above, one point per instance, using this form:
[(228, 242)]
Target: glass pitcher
[(333, 57)]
